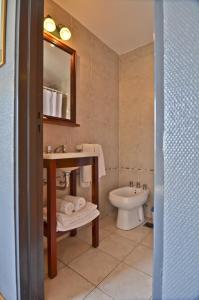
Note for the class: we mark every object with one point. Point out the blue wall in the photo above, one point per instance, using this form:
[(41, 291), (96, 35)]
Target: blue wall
[(180, 273), (7, 161)]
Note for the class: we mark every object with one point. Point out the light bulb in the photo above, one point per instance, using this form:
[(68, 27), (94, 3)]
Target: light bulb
[(49, 24), (65, 33)]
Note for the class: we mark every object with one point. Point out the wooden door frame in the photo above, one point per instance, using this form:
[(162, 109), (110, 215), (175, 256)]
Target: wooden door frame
[(29, 148)]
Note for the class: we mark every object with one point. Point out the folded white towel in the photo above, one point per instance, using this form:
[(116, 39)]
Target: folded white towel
[(64, 226), (85, 172), (77, 219), (78, 202), (65, 219), (65, 207)]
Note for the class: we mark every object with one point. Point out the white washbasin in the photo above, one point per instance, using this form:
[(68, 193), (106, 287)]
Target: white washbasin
[(68, 155)]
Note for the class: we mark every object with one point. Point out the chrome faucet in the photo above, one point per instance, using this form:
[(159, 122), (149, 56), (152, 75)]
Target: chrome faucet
[(138, 184), (144, 186), (49, 149), (60, 149)]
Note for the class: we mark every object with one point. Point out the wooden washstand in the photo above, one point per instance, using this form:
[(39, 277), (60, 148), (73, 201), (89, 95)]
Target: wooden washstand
[(67, 160)]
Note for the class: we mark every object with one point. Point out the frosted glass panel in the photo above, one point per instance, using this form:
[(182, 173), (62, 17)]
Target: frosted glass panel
[(181, 150)]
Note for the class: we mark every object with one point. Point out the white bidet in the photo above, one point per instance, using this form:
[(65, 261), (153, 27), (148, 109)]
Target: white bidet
[(129, 201)]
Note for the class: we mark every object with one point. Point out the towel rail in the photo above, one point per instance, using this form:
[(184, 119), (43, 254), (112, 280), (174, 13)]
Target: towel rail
[(54, 90)]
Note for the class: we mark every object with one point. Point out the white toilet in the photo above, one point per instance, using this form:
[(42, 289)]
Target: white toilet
[(129, 201)]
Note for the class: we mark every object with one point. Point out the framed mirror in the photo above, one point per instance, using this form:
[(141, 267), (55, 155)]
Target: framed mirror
[(2, 31), (59, 82)]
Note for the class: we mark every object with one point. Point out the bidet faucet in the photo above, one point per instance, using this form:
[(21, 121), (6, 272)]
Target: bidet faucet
[(60, 149), (131, 183), (49, 149), (138, 185), (144, 186)]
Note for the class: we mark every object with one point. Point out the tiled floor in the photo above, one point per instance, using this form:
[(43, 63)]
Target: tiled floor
[(120, 269)]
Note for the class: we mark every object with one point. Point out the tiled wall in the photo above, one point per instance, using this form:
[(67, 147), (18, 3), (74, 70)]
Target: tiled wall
[(136, 119), (97, 100), (110, 88)]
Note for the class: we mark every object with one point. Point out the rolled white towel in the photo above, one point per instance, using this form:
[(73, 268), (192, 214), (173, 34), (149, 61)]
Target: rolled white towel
[(65, 207), (78, 202)]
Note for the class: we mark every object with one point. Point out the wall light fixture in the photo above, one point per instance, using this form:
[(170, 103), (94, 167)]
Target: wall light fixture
[(49, 24), (60, 31)]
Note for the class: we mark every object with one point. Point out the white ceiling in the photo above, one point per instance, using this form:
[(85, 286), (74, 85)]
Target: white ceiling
[(121, 24)]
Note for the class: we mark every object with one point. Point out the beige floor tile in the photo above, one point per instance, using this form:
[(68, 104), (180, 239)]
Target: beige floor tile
[(148, 241), (70, 248), (94, 265), (137, 234), (117, 246), (67, 285), (141, 258), (126, 283), (108, 223), (96, 294), (85, 234)]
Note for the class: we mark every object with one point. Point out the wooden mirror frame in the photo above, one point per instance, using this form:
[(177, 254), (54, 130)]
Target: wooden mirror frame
[(62, 45)]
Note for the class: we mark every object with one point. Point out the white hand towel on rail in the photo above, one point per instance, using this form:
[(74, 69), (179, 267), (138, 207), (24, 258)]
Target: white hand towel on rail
[(59, 105), (46, 101), (101, 163), (64, 106), (65, 207), (53, 104), (85, 172), (78, 202)]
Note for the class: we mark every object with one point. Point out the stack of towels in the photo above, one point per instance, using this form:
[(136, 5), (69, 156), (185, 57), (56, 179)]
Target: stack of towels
[(73, 212)]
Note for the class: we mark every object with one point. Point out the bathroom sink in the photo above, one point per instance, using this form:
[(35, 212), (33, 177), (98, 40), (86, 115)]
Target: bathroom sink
[(67, 155)]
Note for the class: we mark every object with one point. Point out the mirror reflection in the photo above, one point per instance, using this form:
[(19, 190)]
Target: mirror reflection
[(56, 82)]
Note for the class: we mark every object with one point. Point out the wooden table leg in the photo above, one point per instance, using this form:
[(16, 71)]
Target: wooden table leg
[(73, 191), (51, 219), (73, 232), (95, 200)]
